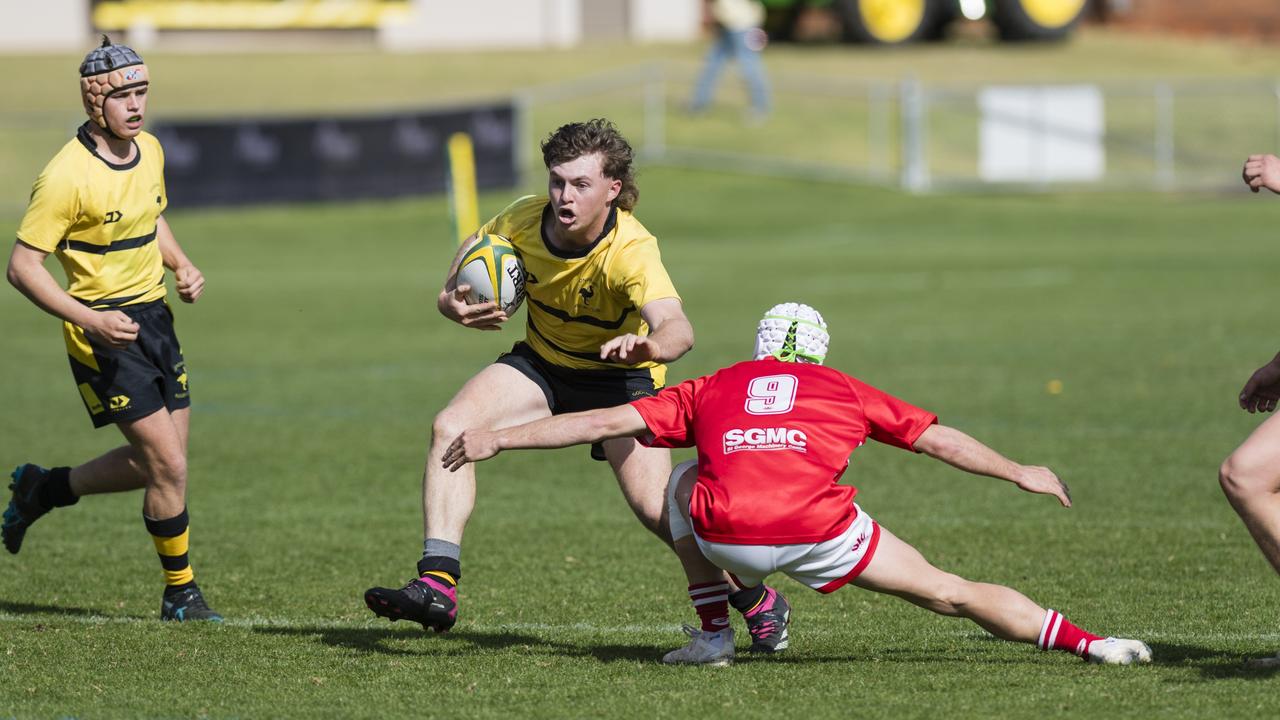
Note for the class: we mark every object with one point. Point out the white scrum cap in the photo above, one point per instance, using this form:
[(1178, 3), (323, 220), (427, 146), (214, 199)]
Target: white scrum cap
[(792, 332)]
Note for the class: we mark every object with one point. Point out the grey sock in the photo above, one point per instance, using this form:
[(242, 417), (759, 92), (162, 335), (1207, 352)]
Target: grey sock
[(441, 548)]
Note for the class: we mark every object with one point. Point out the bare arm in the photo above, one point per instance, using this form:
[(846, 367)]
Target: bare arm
[(553, 432), (959, 450), (670, 336), (28, 274), (190, 281), (452, 300)]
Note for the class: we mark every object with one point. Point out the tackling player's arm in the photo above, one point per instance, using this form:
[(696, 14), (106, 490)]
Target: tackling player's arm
[(670, 336), (452, 301), (28, 274), (189, 279), (959, 450), (553, 432)]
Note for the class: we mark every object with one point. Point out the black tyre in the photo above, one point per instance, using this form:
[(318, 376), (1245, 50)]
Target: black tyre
[(1030, 20), (889, 22), (780, 22)]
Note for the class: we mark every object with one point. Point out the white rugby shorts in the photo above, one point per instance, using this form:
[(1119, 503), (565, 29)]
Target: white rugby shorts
[(826, 566)]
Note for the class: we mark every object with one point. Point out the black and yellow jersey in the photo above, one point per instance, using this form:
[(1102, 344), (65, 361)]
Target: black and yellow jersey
[(578, 300), (99, 218)]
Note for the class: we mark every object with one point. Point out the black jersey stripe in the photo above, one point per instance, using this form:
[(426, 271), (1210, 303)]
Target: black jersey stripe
[(126, 244), (585, 319), (563, 351)]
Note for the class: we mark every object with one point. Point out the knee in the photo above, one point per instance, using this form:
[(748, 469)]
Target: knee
[(1241, 481), (168, 469), (449, 424), (949, 595)]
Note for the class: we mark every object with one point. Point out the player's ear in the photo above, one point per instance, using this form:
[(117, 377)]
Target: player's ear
[(615, 188)]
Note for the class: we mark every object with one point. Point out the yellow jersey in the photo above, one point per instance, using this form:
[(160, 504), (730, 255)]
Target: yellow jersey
[(99, 219), (580, 299)]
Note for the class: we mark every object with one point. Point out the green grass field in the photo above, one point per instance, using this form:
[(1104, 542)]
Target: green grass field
[(317, 361)]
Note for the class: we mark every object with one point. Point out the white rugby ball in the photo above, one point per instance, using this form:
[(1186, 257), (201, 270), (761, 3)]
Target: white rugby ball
[(493, 269)]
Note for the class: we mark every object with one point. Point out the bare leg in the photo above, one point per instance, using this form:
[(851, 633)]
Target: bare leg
[(498, 396), (1250, 477), (899, 569), (159, 449), (121, 469)]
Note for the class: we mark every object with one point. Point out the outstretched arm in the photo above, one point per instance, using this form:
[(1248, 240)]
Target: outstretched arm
[(670, 336), (959, 450), (553, 432)]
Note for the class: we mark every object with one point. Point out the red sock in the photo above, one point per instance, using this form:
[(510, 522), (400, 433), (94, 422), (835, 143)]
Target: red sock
[(711, 600), (1057, 633)]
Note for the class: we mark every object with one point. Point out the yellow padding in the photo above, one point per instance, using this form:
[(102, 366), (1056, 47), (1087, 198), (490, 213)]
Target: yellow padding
[(250, 14), (172, 546), (443, 576)]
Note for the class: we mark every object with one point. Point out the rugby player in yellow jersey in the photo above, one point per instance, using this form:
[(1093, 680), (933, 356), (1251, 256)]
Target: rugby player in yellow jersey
[(98, 207), (603, 319)]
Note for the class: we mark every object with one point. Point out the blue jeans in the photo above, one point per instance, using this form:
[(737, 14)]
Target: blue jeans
[(732, 44)]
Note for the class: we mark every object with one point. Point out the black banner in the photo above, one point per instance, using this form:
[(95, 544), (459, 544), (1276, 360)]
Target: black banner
[(239, 161)]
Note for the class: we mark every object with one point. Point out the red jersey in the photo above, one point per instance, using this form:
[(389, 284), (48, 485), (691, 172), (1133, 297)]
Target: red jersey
[(773, 439)]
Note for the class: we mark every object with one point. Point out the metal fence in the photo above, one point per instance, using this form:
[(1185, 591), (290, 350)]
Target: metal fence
[(1166, 135), (1162, 135)]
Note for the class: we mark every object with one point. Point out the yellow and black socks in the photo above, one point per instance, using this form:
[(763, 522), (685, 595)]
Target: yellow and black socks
[(171, 537)]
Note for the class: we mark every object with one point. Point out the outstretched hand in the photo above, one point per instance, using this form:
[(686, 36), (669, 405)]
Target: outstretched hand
[(1262, 171), (1042, 480), (483, 316), (1262, 390), (630, 349), (470, 446)]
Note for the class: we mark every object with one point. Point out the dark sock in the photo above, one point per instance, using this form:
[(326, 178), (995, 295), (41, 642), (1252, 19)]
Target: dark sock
[(746, 599), (435, 565), (56, 490), (171, 590)]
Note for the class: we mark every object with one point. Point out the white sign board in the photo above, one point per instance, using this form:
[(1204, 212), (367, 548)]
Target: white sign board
[(1041, 133)]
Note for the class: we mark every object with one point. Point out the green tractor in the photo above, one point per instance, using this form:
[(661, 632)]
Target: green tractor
[(895, 22)]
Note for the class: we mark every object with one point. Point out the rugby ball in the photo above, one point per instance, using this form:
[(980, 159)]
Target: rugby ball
[(493, 269)]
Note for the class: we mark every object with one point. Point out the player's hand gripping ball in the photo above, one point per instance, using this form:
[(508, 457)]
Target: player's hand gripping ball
[(493, 269)]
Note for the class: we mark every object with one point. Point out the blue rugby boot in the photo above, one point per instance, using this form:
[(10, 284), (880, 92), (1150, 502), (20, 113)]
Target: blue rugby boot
[(24, 506), (187, 605)]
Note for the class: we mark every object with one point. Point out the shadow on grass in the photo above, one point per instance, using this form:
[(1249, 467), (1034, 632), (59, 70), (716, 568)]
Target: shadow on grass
[(1212, 664), (391, 641), (21, 608)]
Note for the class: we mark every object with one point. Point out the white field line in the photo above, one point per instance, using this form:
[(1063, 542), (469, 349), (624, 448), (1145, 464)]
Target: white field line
[(321, 625), (581, 628)]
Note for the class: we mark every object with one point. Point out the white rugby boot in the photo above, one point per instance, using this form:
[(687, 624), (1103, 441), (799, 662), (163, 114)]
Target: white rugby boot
[(704, 648), (1117, 651)]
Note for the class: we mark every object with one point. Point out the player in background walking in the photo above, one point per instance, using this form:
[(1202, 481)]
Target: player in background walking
[(774, 436), (98, 206)]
